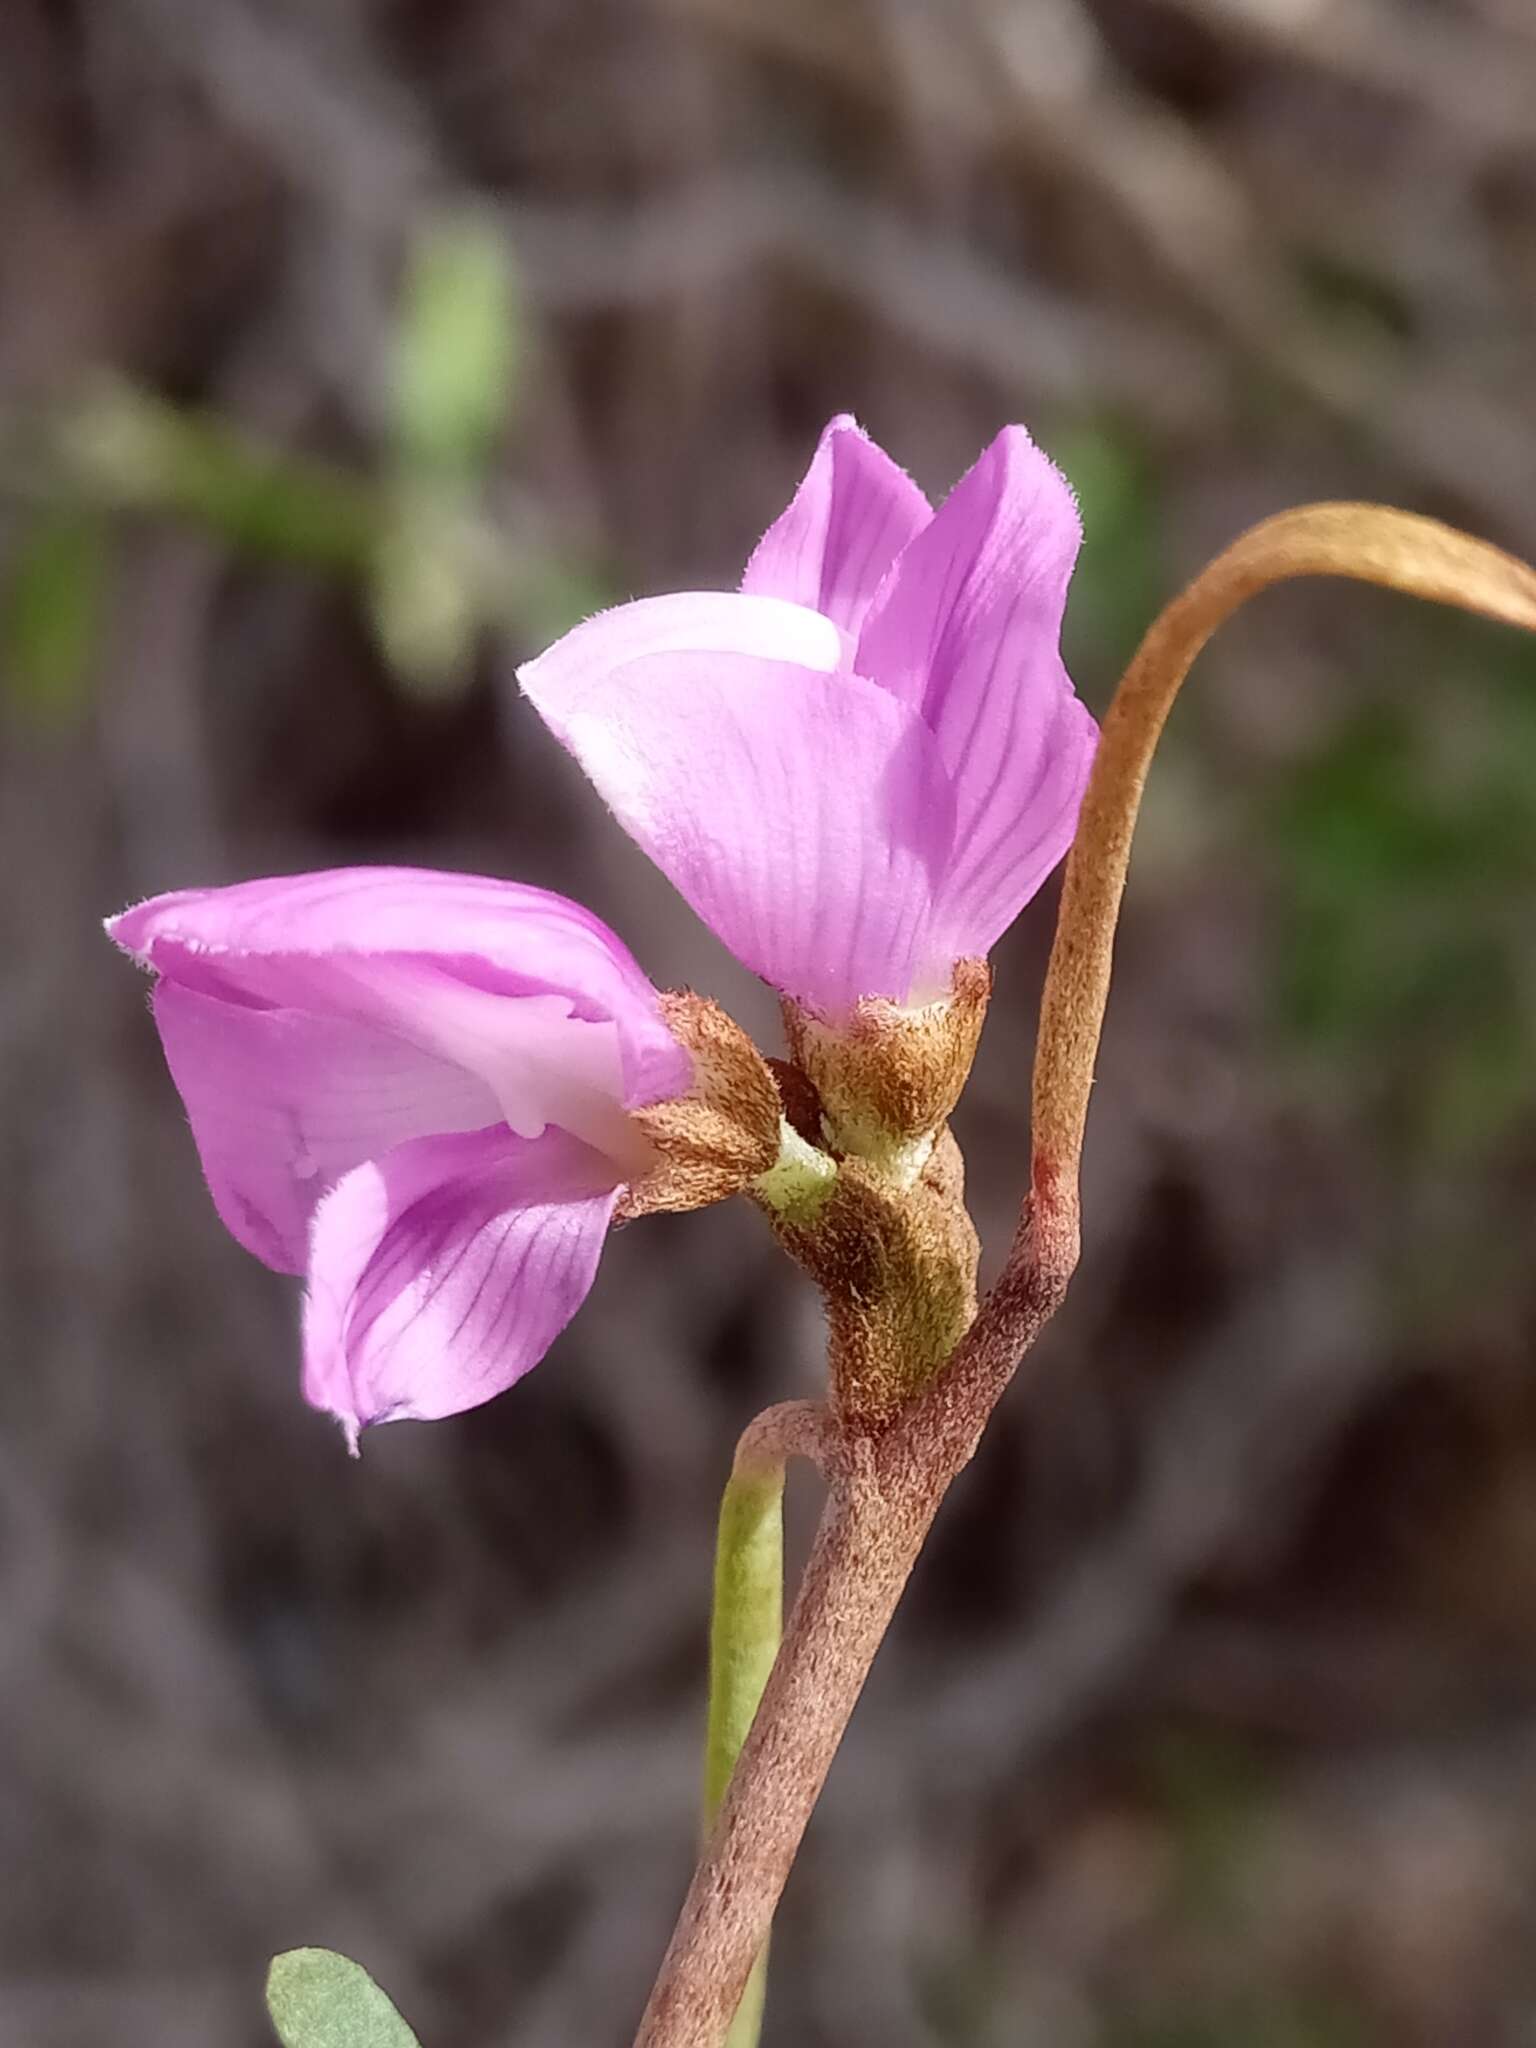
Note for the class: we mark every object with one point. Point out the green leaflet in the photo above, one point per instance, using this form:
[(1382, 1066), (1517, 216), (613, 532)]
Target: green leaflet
[(319, 1999)]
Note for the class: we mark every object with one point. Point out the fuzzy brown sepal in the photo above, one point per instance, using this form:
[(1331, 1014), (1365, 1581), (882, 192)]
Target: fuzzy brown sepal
[(723, 1133), (889, 1077), (897, 1270)]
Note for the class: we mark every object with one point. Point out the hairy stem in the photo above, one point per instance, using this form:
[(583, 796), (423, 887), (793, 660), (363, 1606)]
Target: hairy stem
[(863, 1552), (886, 1486), (1371, 544), (885, 1491)]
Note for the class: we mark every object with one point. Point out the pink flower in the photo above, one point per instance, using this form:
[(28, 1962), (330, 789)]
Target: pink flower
[(413, 1087), (860, 767)]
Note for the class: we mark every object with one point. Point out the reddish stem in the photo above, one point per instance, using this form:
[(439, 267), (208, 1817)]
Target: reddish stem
[(887, 1484)]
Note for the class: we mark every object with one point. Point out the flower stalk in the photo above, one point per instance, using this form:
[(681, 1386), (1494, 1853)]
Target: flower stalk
[(1368, 543), (888, 1475)]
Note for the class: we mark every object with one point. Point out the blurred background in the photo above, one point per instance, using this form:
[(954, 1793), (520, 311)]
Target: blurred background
[(348, 353)]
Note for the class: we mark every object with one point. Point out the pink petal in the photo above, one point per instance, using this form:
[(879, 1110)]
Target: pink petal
[(408, 949), (966, 630), (283, 1102), (719, 623), (441, 1272), (852, 515), (803, 815)]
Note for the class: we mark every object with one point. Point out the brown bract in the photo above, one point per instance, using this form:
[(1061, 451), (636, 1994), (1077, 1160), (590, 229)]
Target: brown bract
[(890, 1076), (724, 1132), (896, 1266)]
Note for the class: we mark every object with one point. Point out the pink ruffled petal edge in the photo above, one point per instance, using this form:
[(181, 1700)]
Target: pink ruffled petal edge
[(442, 1272), (380, 945)]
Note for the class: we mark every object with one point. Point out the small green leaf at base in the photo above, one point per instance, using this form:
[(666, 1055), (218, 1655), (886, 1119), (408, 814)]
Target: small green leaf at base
[(319, 1999)]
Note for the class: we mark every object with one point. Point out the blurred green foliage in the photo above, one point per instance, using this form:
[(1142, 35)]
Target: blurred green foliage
[(1119, 581), (434, 570), (450, 397), (1269, 2019), (1404, 838), (1215, 1797), (1205, 1805), (1366, 307), (428, 589), (51, 610), (122, 450), (1408, 841), (456, 346)]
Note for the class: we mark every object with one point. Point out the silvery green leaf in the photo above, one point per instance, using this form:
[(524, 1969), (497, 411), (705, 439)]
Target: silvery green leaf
[(319, 1999)]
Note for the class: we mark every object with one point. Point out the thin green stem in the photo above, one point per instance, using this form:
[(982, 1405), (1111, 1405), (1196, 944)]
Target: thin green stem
[(745, 1628), (748, 1617), (747, 1622), (748, 2023)]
